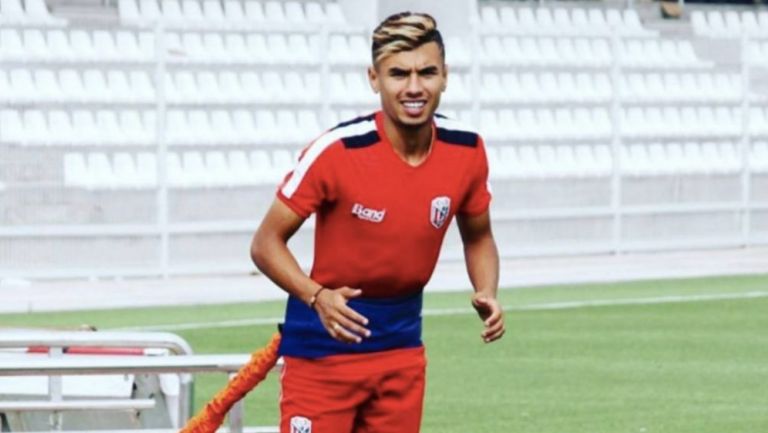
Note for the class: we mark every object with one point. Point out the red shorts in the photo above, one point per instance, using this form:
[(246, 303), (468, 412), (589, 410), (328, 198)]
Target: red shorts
[(380, 392)]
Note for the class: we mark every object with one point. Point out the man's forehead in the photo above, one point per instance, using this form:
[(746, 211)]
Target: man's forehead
[(425, 56)]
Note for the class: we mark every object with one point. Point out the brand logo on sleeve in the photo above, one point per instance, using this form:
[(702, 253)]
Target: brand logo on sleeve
[(441, 207), (299, 424), (368, 214)]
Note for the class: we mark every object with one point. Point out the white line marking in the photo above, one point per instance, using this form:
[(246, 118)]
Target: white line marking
[(468, 310)]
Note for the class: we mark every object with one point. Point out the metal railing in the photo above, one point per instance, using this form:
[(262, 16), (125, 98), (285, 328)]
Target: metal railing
[(180, 361)]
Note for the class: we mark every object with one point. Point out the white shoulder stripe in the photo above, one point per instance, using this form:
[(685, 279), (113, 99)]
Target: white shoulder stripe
[(453, 125), (318, 147)]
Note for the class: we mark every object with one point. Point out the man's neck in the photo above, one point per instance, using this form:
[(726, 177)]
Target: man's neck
[(412, 145)]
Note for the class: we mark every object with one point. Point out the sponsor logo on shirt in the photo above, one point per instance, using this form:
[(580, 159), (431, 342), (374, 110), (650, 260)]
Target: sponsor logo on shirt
[(368, 214), (438, 214), (299, 424)]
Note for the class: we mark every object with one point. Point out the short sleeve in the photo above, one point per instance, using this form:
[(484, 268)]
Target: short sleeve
[(478, 196), (310, 183)]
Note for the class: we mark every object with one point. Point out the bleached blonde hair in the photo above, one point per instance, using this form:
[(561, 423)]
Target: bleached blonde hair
[(404, 31)]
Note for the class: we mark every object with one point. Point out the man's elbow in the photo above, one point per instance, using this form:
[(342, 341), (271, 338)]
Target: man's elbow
[(258, 250)]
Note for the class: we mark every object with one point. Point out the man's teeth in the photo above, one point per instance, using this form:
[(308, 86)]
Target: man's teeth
[(414, 104)]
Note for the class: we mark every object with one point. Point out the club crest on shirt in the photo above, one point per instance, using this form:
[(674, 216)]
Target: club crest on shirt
[(299, 424), (438, 214)]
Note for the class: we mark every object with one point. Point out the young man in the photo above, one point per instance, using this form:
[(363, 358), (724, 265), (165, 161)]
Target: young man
[(384, 188)]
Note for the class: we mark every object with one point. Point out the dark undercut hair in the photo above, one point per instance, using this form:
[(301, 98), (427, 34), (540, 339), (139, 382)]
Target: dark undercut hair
[(404, 31)]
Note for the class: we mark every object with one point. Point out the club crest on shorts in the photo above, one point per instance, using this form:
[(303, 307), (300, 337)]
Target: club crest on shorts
[(438, 214), (299, 424)]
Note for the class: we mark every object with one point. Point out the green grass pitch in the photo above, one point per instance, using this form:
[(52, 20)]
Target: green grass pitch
[(684, 367)]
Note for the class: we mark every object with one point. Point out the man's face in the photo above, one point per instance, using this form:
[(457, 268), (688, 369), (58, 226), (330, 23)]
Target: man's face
[(410, 83)]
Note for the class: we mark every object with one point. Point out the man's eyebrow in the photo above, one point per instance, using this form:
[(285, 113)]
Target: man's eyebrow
[(429, 70), (425, 70), (396, 70)]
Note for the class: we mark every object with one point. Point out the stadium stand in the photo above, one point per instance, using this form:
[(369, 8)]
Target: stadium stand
[(580, 96), (729, 24)]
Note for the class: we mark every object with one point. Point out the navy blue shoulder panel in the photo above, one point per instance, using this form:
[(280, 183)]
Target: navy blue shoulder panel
[(355, 120), (461, 138), (363, 140)]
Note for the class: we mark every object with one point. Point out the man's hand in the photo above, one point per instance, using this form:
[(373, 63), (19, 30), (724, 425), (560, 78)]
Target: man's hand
[(490, 312), (341, 322)]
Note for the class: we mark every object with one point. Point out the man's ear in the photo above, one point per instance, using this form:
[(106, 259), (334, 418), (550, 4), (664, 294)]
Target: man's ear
[(373, 79), (445, 77)]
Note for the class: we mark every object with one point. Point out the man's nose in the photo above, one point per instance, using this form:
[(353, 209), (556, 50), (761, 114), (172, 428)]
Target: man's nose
[(414, 85)]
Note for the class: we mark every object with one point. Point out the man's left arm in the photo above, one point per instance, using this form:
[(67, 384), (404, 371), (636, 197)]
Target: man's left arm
[(482, 259)]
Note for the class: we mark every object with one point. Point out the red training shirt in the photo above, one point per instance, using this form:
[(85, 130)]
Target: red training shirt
[(380, 221)]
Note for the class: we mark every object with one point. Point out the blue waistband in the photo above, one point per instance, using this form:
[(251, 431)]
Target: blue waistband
[(395, 323)]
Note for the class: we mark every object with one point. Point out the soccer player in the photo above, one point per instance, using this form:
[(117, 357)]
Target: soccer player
[(384, 189)]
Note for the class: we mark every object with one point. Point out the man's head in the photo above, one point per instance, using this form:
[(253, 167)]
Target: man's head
[(408, 67)]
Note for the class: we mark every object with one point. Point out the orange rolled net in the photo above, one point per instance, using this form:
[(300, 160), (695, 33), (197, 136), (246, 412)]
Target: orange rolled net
[(210, 418)]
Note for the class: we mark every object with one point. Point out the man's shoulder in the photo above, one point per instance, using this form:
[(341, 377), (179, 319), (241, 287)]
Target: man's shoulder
[(453, 131), (355, 133)]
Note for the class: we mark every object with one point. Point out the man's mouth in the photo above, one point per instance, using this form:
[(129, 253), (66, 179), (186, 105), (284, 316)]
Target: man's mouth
[(414, 108)]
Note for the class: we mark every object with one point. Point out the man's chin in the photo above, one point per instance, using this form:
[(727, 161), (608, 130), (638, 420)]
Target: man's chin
[(411, 122)]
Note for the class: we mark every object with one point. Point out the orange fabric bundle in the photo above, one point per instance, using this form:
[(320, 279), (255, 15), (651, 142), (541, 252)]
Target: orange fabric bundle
[(212, 415)]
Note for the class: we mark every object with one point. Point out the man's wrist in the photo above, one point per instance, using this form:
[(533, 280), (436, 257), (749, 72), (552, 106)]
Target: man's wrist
[(486, 293), (313, 299)]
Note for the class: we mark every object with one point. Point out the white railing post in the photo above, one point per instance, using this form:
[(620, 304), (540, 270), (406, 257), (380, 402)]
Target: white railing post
[(162, 148), (745, 145), (55, 391), (616, 143)]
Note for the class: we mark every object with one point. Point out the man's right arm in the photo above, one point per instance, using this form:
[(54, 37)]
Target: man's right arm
[(270, 253)]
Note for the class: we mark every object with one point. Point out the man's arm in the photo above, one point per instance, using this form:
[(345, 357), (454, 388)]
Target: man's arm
[(270, 253), (482, 259)]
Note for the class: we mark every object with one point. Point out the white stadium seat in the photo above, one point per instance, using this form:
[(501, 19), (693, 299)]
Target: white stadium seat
[(125, 171), (759, 157), (266, 124), (13, 127), (75, 170), (150, 10), (258, 48), (61, 127), (213, 13), (171, 13), (84, 122), (38, 13), (135, 131), (489, 17), (314, 12), (298, 47), (334, 14), (254, 13), (82, 45), (192, 12), (200, 129), (239, 168), (253, 88), (13, 12), (105, 47), (11, 45), (294, 13), (234, 15), (146, 170), (128, 10), (274, 12), (21, 86), (35, 46)]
